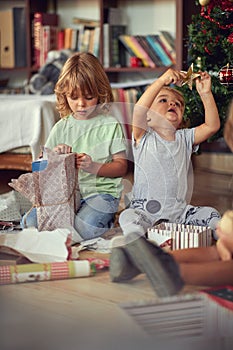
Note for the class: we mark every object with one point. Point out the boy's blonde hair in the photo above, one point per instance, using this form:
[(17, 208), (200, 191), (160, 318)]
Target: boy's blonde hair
[(82, 71)]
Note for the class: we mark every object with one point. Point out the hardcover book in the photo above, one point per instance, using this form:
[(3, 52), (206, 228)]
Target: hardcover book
[(169, 48), (144, 43), (41, 19), (117, 52), (152, 40), (20, 36), (136, 50), (13, 45), (7, 50)]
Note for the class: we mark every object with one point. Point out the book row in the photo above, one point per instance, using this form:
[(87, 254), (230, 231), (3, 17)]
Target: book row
[(83, 35)]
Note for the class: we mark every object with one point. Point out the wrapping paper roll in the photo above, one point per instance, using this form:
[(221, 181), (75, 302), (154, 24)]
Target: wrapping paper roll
[(45, 272)]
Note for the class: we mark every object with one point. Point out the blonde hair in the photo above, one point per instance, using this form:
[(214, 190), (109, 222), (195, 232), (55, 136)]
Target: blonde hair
[(228, 127), (82, 71)]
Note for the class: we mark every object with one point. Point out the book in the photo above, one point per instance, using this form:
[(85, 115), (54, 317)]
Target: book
[(106, 50), (60, 39), (74, 39), (13, 38), (152, 40), (144, 43), (167, 35), (86, 39), (86, 22), (114, 16), (135, 49), (96, 42), (7, 53), (41, 19), (67, 38), (20, 36), (117, 52), (169, 48), (48, 42)]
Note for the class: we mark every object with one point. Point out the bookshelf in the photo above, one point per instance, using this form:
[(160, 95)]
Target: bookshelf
[(171, 15)]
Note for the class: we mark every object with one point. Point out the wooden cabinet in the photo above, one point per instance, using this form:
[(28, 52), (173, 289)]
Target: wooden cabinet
[(178, 12)]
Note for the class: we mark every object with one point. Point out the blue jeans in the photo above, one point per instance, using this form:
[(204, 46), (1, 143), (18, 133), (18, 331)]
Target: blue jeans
[(96, 215), (29, 219)]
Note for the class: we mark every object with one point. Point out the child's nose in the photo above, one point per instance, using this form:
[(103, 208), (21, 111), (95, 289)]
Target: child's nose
[(81, 101)]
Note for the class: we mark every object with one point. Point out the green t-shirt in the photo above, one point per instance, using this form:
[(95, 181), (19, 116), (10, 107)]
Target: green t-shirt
[(100, 137)]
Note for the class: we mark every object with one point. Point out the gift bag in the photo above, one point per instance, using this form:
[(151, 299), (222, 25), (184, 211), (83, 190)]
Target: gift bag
[(53, 191)]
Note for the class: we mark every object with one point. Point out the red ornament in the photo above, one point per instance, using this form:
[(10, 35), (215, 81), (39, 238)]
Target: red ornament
[(226, 75), (230, 38)]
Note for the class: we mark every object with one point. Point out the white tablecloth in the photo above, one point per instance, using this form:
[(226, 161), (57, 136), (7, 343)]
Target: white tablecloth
[(26, 120)]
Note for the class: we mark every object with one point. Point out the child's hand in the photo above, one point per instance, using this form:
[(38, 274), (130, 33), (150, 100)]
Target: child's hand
[(83, 161), (203, 83), (62, 149), (172, 76)]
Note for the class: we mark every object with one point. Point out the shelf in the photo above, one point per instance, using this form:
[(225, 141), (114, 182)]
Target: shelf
[(134, 69), (180, 11)]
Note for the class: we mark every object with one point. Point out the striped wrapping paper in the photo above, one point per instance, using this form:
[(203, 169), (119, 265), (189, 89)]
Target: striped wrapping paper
[(44, 272), (179, 236)]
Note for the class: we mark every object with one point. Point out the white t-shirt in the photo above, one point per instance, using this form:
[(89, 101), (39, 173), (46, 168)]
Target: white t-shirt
[(161, 173)]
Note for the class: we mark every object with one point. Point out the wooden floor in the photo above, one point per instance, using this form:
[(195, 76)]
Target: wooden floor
[(84, 313)]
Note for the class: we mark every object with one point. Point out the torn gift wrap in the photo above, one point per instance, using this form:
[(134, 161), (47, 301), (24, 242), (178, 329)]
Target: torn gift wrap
[(52, 191)]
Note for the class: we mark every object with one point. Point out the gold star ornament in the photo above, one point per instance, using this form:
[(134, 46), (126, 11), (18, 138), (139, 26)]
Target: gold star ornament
[(190, 77)]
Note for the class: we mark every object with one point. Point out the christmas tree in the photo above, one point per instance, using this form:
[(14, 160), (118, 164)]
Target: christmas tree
[(210, 48)]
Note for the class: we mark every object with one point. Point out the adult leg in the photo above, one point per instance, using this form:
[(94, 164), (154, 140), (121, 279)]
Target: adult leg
[(96, 215), (196, 255), (212, 273)]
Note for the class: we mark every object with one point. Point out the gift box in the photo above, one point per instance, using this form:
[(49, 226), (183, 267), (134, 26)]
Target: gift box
[(53, 191), (179, 236)]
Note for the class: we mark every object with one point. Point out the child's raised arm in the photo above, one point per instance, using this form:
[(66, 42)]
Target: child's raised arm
[(139, 126), (212, 122)]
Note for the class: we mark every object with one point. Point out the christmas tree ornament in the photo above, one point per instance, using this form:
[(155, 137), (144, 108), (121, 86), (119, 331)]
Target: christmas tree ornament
[(204, 2), (190, 77), (225, 75)]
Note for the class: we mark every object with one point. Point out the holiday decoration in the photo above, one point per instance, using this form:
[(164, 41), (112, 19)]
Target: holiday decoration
[(190, 77), (226, 75), (210, 48), (204, 2)]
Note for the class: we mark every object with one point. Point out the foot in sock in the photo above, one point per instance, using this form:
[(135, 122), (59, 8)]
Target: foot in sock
[(142, 256), (159, 266), (121, 268)]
